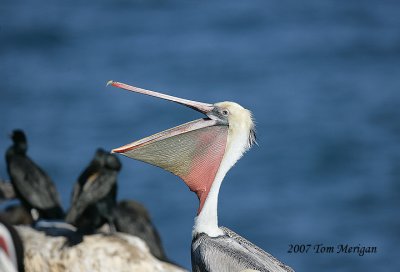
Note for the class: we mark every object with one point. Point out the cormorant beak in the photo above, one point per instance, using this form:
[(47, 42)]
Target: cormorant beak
[(193, 151)]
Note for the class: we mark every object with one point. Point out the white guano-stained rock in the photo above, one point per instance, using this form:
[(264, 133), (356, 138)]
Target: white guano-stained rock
[(96, 253)]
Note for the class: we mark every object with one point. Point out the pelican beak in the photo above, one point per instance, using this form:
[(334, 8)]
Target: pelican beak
[(198, 106), (193, 151)]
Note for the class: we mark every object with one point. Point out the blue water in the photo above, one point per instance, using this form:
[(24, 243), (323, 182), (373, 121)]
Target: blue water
[(322, 79)]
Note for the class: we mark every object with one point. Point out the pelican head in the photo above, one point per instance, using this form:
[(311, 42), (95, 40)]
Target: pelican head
[(200, 152)]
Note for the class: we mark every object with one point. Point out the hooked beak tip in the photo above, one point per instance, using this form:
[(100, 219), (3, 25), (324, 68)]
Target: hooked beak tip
[(110, 82)]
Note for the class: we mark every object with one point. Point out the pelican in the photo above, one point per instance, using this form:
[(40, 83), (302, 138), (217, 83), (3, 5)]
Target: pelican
[(201, 152)]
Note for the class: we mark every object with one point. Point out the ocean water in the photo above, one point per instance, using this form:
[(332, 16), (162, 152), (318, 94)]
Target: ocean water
[(322, 79)]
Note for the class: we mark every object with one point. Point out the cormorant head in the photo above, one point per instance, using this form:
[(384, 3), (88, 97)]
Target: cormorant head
[(112, 162), (19, 140), (99, 158)]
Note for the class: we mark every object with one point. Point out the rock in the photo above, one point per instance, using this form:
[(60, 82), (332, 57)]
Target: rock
[(97, 253), (17, 215)]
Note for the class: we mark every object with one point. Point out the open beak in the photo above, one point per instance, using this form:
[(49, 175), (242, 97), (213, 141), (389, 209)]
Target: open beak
[(193, 151)]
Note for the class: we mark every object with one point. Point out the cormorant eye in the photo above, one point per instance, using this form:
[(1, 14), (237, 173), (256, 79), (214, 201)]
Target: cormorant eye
[(225, 112)]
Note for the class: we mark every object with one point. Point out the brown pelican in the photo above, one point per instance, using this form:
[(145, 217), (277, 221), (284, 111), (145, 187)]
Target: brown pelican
[(201, 152)]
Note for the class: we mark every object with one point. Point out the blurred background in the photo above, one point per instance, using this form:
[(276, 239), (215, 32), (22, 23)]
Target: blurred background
[(322, 79)]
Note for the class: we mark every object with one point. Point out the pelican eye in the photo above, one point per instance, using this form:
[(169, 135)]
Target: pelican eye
[(225, 112)]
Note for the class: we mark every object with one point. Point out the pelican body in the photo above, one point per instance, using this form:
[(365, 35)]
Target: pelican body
[(201, 152)]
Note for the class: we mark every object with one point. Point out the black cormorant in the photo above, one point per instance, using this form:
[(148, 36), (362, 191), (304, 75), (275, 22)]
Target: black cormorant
[(133, 218), (94, 196), (32, 185)]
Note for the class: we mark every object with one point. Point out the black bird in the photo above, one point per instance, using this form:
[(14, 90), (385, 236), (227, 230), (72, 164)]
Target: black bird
[(94, 196), (133, 218), (91, 172), (31, 184)]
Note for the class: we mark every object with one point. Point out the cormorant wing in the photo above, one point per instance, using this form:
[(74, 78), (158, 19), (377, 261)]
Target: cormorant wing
[(88, 174), (95, 188), (33, 183), (76, 191)]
